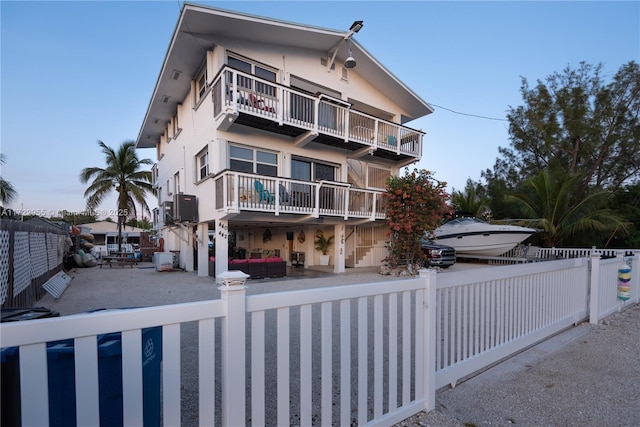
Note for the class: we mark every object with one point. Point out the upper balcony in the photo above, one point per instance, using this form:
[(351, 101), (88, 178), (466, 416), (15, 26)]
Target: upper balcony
[(245, 99)]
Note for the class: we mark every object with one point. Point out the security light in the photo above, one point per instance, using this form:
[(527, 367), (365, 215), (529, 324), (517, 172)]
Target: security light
[(350, 62)]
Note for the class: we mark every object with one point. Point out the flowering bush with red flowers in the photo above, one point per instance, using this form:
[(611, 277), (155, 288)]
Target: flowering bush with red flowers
[(416, 203)]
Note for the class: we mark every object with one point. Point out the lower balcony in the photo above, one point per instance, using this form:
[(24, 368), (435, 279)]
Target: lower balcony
[(238, 192)]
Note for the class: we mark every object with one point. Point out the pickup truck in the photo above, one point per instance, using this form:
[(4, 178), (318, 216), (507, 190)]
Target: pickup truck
[(438, 255)]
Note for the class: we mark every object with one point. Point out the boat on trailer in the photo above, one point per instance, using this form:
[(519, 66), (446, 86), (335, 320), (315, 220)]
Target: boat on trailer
[(471, 236)]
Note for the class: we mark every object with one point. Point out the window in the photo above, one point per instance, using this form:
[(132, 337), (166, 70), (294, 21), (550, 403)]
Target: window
[(252, 160), (176, 183), (175, 125), (202, 164), (154, 174), (201, 83), (309, 170), (258, 71)]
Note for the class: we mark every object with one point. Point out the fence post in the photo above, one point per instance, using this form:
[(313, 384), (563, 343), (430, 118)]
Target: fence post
[(232, 292), (594, 289), (429, 338)]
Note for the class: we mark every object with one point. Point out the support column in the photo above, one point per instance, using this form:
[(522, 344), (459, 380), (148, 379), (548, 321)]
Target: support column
[(222, 246), (186, 247), (203, 250), (339, 254)]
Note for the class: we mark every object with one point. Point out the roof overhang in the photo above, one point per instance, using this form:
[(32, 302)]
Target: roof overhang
[(200, 27)]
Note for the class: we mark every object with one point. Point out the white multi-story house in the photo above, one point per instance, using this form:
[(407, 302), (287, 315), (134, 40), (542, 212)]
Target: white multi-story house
[(267, 132)]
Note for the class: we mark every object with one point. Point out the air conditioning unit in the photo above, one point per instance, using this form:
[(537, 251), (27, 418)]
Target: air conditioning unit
[(167, 212), (185, 208)]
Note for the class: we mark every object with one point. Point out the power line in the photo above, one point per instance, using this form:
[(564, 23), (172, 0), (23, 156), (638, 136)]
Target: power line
[(468, 114)]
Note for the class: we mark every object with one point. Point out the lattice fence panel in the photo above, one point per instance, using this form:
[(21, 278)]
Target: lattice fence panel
[(52, 250), (4, 265), (38, 252), (21, 262), (61, 243)]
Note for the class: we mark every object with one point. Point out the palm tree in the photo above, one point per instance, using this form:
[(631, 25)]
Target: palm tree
[(470, 200), (549, 205), (124, 175), (7, 192)]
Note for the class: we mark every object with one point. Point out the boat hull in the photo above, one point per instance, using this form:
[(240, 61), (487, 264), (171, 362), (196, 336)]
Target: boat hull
[(482, 239)]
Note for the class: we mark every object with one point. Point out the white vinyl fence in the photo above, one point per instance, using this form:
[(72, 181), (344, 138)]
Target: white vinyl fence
[(369, 354)]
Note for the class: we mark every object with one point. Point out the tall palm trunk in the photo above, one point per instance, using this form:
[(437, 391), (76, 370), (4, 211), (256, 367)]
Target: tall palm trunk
[(120, 233)]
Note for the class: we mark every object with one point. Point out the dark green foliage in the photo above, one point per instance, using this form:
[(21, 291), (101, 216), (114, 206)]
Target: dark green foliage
[(582, 133), (548, 202), (626, 201), (7, 191)]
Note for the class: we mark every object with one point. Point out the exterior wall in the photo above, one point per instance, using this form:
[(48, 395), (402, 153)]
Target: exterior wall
[(306, 64), (198, 131)]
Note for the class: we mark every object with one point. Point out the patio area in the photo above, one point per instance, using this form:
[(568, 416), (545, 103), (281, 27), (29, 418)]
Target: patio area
[(142, 286)]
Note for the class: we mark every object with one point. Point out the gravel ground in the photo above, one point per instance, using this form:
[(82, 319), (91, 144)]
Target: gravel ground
[(586, 376)]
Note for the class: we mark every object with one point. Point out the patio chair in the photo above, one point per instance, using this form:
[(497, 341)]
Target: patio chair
[(284, 195), (264, 196)]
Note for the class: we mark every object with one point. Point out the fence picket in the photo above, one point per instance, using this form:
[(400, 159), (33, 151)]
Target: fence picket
[(283, 366), (305, 364), (171, 377), (326, 362), (33, 385), (405, 310), (257, 368), (392, 383), (345, 362), (363, 355), (87, 390), (132, 399), (378, 351)]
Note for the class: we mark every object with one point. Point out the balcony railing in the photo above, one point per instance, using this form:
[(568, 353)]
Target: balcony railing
[(237, 92), (237, 192)]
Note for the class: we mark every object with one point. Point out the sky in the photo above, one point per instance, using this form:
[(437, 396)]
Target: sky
[(73, 73)]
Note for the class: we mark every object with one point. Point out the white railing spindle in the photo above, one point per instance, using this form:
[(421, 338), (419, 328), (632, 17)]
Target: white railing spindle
[(171, 377), (283, 366), (87, 390)]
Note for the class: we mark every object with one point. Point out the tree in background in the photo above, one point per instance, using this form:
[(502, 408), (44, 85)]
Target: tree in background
[(7, 192), (575, 124), (415, 203), (124, 175), (143, 223), (75, 218), (577, 127), (471, 200), (547, 201), (627, 201)]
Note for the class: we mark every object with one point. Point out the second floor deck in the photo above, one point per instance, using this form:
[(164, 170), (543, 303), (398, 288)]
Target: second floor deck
[(245, 99)]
